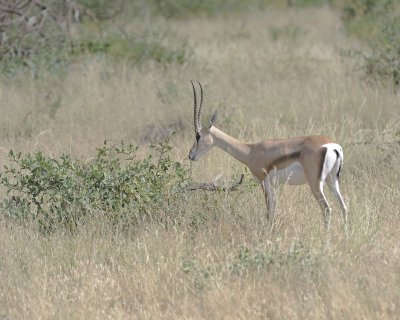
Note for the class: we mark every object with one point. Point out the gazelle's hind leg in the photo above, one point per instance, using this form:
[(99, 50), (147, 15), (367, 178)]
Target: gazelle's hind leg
[(333, 183), (333, 164), (316, 173), (330, 172), (318, 192)]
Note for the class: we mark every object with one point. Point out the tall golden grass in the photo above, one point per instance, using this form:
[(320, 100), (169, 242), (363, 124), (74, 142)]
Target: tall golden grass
[(269, 74)]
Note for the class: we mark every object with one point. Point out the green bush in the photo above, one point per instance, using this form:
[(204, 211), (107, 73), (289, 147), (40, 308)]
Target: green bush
[(59, 192), (385, 57), (360, 8), (362, 18), (376, 24), (297, 254)]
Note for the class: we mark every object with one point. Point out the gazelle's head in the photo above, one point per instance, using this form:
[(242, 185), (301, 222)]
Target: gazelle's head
[(204, 139)]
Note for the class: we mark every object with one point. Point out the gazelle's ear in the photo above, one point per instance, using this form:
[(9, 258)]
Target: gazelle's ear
[(213, 119)]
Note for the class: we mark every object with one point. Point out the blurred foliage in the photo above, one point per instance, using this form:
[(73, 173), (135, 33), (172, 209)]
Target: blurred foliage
[(377, 24), (385, 57), (186, 8), (305, 3), (29, 29), (57, 193), (160, 47), (249, 262), (362, 18), (103, 9), (53, 34)]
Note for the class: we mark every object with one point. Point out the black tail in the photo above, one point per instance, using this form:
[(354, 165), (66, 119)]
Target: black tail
[(340, 166)]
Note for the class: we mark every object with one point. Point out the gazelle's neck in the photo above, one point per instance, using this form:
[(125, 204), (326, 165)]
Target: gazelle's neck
[(237, 149)]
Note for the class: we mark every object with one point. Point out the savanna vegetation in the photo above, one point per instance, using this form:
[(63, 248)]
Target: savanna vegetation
[(97, 217)]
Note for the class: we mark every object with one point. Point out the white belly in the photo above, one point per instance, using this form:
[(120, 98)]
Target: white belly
[(293, 175)]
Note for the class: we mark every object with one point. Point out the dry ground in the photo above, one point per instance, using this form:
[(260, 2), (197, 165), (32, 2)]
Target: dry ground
[(269, 74)]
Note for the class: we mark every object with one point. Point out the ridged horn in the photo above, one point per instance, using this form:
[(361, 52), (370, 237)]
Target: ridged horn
[(201, 103), (195, 114)]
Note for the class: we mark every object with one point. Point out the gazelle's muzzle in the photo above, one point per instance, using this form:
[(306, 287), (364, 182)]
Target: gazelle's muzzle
[(192, 155)]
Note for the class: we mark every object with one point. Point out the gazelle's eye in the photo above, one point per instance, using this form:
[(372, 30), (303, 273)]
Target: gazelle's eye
[(197, 137)]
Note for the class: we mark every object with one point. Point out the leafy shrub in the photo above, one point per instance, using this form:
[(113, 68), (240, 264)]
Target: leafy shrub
[(362, 18), (354, 9), (385, 58), (376, 23), (299, 258), (297, 255), (59, 192)]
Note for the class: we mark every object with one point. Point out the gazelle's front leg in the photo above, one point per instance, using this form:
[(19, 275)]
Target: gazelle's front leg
[(270, 198)]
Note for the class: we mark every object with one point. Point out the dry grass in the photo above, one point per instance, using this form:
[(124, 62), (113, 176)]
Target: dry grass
[(270, 74)]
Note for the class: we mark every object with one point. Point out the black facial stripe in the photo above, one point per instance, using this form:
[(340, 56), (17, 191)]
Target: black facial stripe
[(197, 137)]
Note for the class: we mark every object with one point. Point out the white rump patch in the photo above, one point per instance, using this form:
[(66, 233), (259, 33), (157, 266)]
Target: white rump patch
[(292, 175), (332, 163)]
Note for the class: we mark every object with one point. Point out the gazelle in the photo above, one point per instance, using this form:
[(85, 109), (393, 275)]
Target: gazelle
[(294, 161)]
